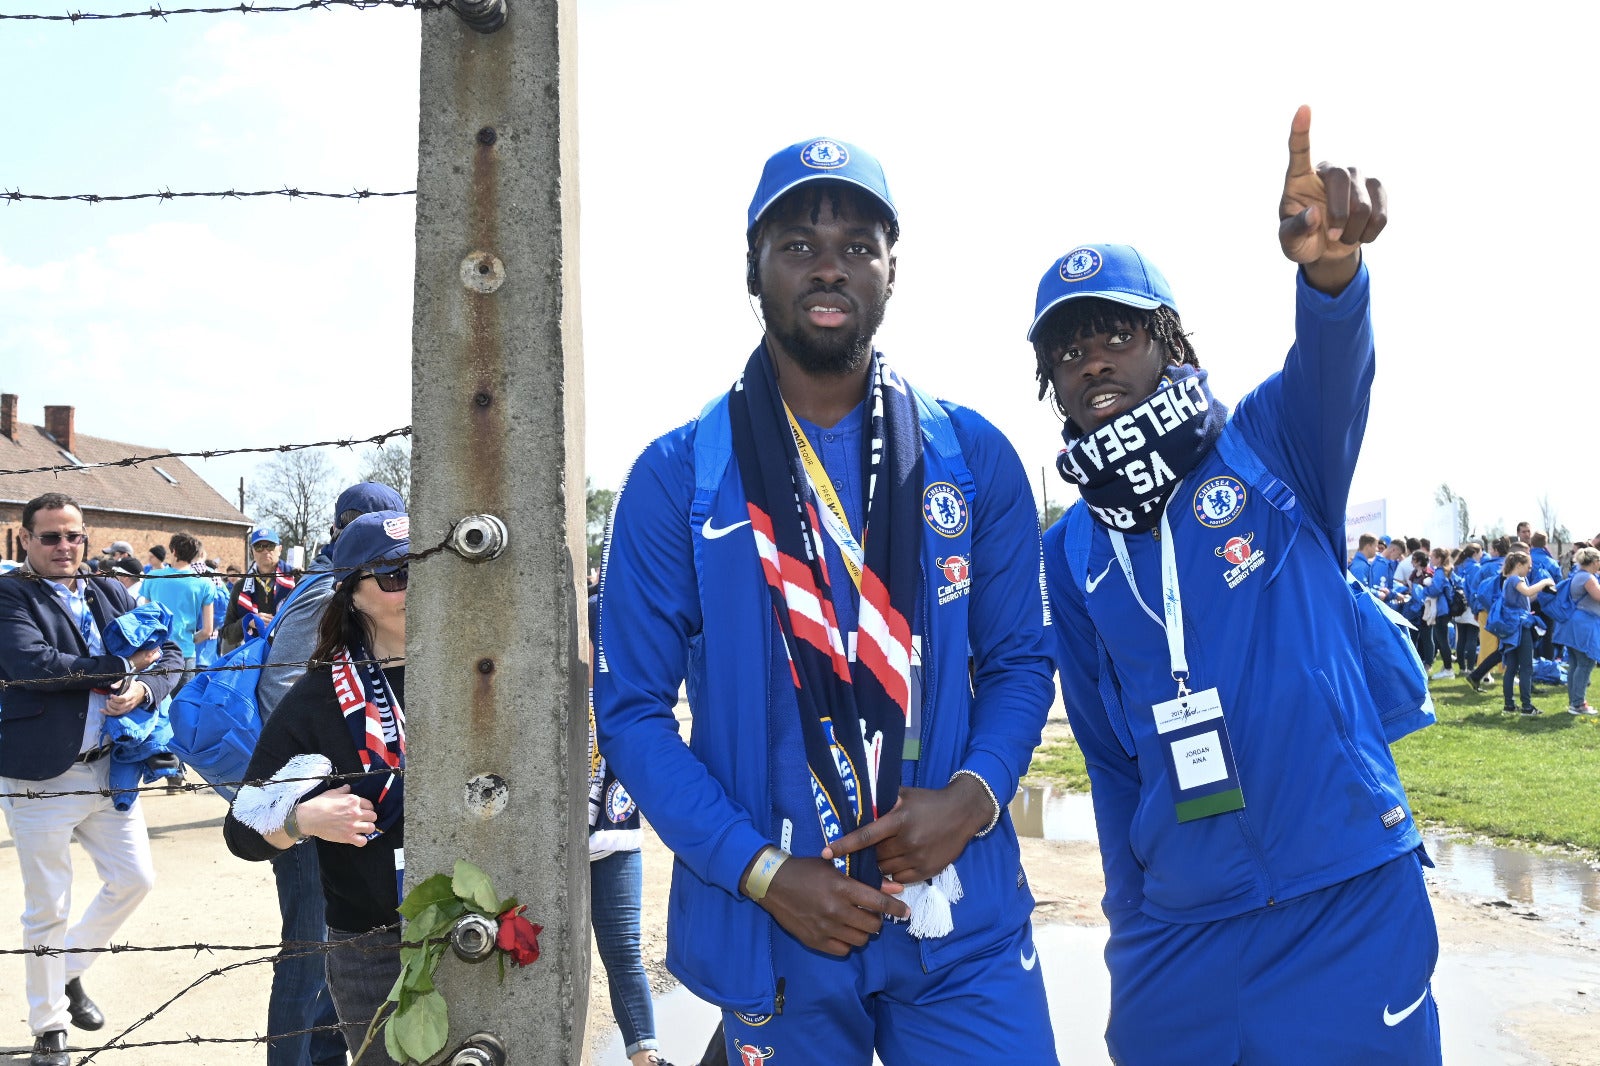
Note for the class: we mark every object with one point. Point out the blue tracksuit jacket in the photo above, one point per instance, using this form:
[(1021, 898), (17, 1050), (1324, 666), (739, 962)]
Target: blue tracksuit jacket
[(1323, 799), (683, 596)]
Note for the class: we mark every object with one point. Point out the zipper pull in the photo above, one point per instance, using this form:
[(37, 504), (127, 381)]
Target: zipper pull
[(777, 1001)]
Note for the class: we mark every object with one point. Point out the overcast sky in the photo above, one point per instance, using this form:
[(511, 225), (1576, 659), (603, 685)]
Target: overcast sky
[(1009, 132)]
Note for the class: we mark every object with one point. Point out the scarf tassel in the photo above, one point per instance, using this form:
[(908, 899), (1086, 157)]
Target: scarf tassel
[(930, 903)]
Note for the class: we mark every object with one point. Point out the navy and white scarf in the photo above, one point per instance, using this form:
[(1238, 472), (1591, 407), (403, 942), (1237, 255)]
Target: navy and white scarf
[(378, 727), (1126, 469), (852, 712)]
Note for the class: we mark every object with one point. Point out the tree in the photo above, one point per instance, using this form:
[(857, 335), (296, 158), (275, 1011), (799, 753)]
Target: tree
[(390, 464), (1553, 529), (1052, 511), (598, 505), (294, 493), (1445, 494)]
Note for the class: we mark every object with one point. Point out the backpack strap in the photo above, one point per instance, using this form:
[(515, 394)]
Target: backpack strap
[(939, 431), (713, 450)]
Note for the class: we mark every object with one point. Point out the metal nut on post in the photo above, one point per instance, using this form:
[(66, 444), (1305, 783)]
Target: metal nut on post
[(472, 937), (479, 538), (483, 272), (485, 16), (481, 1049)]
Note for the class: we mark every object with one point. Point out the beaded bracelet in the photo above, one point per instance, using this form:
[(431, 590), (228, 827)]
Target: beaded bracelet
[(994, 820)]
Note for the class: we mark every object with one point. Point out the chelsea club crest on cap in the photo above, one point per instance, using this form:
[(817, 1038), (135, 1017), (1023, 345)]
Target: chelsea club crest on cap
[(825, 155), (819, 159), (1080, 263)]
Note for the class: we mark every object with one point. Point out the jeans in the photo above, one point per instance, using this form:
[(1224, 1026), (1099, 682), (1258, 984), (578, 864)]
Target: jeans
[(185, 677), (1422, 637), (360, 981), (1579, 667), (616, 885), (1519, 665), (1441, 642), (300, 998), (1466, 644)]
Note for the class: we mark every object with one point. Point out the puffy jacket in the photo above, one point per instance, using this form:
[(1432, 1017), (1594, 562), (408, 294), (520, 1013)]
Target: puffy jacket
[(683, 595), (1271, 623)]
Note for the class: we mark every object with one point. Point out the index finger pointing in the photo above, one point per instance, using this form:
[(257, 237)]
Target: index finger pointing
[(1300, 142), (874, 832)]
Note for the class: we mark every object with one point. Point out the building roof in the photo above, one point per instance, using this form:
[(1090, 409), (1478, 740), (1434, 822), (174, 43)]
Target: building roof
[(141, 489)]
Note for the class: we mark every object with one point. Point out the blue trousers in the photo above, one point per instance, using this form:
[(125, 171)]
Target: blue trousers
[(988, 1008), (1338, 976), (300, 998), (616, 887), (1579, 667), (1519, 665), (360, 981)]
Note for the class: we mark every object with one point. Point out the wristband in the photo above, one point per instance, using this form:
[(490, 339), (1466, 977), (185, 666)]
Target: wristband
[(994, 819), (768, 861), (291, 825)]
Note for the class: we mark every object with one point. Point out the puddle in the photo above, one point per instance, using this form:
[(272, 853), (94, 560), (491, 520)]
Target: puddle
[(1564, 890), (1482, 993)]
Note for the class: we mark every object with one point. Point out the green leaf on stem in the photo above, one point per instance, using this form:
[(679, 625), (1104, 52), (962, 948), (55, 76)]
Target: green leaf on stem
[(473, 885)]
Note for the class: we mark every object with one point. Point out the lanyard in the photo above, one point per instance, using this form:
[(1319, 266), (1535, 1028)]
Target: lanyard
[(833, 517), (1171, 598)]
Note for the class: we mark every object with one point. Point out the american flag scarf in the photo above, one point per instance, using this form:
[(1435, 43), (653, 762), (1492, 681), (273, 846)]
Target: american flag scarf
[(852, 711), (378, 727)]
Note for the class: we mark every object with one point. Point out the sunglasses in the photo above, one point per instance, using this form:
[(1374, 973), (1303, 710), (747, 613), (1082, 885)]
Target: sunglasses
[(392, 582), (50, 540), (266, 546)]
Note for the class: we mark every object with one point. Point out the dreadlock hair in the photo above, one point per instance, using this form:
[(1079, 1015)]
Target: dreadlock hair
[(1076, 319), (816, 193)]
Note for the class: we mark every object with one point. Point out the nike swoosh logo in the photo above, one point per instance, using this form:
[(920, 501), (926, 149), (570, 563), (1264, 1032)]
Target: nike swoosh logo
[(711, 532), (1090, 583), (1030, 957), (1396, 1019)]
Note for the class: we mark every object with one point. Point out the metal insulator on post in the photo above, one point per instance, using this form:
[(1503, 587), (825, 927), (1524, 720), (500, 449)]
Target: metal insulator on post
[(481, 1049), (485, 16), (472, 938)]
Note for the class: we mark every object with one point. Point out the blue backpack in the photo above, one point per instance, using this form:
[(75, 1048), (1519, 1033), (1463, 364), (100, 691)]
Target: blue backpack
[(215, 719), (1561, 606), (1486, 590), (1395, 676), (1503, 621)]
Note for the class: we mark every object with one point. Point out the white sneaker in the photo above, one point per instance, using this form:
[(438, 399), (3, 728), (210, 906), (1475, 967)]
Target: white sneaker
[(1442, 675)]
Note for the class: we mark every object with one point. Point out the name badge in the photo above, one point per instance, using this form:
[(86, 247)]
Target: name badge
[(1200, 764)]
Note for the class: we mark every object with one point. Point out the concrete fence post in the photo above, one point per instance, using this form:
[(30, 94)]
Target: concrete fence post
[(496, 708)]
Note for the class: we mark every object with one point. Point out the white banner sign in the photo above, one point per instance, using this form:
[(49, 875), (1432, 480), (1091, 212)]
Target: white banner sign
[(1370, 517)]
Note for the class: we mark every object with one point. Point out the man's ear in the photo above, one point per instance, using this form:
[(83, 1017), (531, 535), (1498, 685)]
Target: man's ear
[(752, 275), (889, 289)]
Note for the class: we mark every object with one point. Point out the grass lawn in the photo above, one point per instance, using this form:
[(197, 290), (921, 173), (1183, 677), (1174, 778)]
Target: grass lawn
[(1503, 776)]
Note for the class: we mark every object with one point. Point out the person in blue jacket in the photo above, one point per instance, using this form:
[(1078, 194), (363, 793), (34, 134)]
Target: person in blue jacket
[(1517, 653), (1263, 871), (847, 573), (1581, 633), (1361, 561)]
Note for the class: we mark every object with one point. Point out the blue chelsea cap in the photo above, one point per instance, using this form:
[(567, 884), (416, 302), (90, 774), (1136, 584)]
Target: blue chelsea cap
[(379, 541), (268, 535), (819, 159), (1115, 272)]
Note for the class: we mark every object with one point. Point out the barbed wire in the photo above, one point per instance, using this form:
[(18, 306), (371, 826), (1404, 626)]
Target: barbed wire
[(213, 453), (118, 1044), (298, 947), (157, 11), (13, 196), (309, 664), (189, 786)]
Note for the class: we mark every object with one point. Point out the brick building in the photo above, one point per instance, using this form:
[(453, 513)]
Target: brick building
[(143, 504)]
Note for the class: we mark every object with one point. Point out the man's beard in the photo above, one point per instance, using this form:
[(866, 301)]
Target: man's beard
[(833, 352)]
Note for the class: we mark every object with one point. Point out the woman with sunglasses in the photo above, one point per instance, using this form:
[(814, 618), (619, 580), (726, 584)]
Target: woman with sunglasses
[(347, 711)]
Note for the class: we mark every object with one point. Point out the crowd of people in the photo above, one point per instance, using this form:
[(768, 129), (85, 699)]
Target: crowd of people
[(1447, 594)]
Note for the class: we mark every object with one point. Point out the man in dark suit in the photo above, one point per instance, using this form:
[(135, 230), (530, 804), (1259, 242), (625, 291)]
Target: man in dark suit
[(52, 621)]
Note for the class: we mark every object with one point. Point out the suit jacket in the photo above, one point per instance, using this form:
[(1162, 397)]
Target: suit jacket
[(41, 724)]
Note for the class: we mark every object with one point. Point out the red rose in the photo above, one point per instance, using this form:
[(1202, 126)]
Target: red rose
[(518, 937)]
